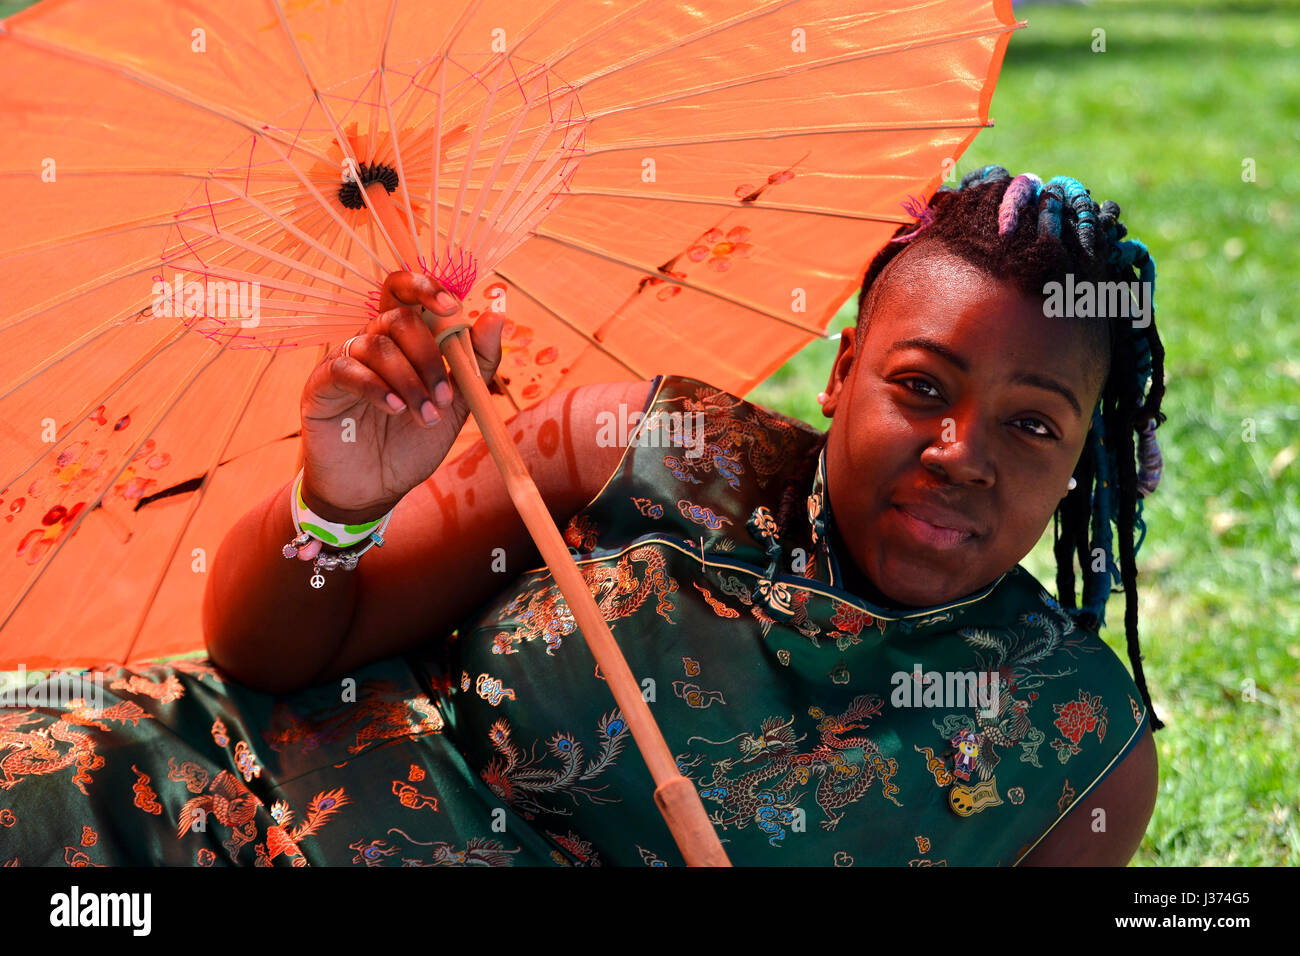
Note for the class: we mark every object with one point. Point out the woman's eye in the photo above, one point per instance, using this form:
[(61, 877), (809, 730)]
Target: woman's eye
[(1045, 433), (907, 384)]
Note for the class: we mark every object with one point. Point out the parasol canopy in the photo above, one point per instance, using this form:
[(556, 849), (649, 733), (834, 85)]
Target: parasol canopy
[(639, 186)]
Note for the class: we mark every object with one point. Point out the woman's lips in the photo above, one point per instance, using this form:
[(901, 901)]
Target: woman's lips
[(929, 535)]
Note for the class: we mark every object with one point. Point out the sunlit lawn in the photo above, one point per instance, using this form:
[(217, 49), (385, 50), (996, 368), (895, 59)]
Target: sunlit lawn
[(1161, 123)]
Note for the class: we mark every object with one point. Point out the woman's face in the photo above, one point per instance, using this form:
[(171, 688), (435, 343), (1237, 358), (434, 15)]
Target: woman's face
[(954, 434)]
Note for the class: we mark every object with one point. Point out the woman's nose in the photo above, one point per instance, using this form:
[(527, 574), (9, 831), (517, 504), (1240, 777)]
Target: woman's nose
[(960, 451)]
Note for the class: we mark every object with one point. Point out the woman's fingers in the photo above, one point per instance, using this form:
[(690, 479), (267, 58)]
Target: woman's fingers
[(485, 337), (412, 288), (380, 370), (406, 326), (353, 377), (485, 340), (405, 295), (401, 321)]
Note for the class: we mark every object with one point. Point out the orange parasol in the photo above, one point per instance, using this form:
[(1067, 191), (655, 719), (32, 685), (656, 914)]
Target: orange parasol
[(201, 201)]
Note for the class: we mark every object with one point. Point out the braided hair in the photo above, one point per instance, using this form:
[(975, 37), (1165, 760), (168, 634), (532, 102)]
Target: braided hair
[(1029, 233)]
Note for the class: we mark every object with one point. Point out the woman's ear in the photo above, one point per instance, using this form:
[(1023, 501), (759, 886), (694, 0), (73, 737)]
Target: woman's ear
[(839, 371)]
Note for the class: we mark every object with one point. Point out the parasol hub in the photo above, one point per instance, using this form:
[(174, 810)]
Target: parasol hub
[(364, 176)]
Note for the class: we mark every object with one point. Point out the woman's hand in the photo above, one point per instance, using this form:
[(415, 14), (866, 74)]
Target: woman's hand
[(366, 441)]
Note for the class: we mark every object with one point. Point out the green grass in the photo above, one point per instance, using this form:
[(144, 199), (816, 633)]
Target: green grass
[(1160, 123), (10, 7)]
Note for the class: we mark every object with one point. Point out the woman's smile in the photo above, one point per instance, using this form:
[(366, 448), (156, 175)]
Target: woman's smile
[(941, 537)]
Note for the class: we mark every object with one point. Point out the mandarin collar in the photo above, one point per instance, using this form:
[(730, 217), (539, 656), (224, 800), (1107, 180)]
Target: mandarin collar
[(822, 566)]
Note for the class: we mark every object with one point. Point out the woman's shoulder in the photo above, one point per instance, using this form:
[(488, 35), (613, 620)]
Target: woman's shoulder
[(710, 399), (1097, 694), (735, 441), (695, 460)]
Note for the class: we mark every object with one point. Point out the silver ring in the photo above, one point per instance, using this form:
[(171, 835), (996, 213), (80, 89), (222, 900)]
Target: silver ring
[(348, 345)]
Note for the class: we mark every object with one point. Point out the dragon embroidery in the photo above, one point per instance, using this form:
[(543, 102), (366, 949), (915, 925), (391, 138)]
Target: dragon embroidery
[(839, 770), (381, 712), (618, 592), (731, 439), (37, 752)]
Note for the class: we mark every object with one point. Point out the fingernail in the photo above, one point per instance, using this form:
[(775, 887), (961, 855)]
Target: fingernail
[(430, 414), (446, 301), (442, 394), (395, 403)]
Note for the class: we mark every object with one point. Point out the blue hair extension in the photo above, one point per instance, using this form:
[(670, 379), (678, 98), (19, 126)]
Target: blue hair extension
[(1023, 191), (1151, 462), (1076, 196), (1049, 217), (1143, 351), (1124, 256), (1105, 506), (1141, 527), (1105, 492), (989, 174)]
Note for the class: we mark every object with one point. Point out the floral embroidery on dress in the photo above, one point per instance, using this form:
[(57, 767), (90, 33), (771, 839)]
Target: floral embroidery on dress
[(165, 691), (478, 851), (1075, 719), (229, 804), (719, 608), (649, 857), (283, 837), (411, 798), (246, 762), (67, 741), (576, 847), (191, 774), (490, 689), (1066, 798), (647, 507)]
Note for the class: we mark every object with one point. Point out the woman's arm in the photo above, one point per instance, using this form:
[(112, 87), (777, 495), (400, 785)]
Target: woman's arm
[(1127, 795), (269, 629)]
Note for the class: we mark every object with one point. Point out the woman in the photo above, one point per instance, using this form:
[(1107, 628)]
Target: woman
[(832, 629)]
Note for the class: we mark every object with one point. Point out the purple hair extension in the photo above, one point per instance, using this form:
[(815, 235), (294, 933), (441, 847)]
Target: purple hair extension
[(1023, 191), (918, 209), (1151, 462)]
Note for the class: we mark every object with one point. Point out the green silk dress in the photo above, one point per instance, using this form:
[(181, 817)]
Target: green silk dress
[(819, 730)]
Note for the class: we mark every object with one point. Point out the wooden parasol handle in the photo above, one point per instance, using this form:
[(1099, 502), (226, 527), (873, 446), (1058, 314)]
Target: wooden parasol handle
[(676, 797)]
